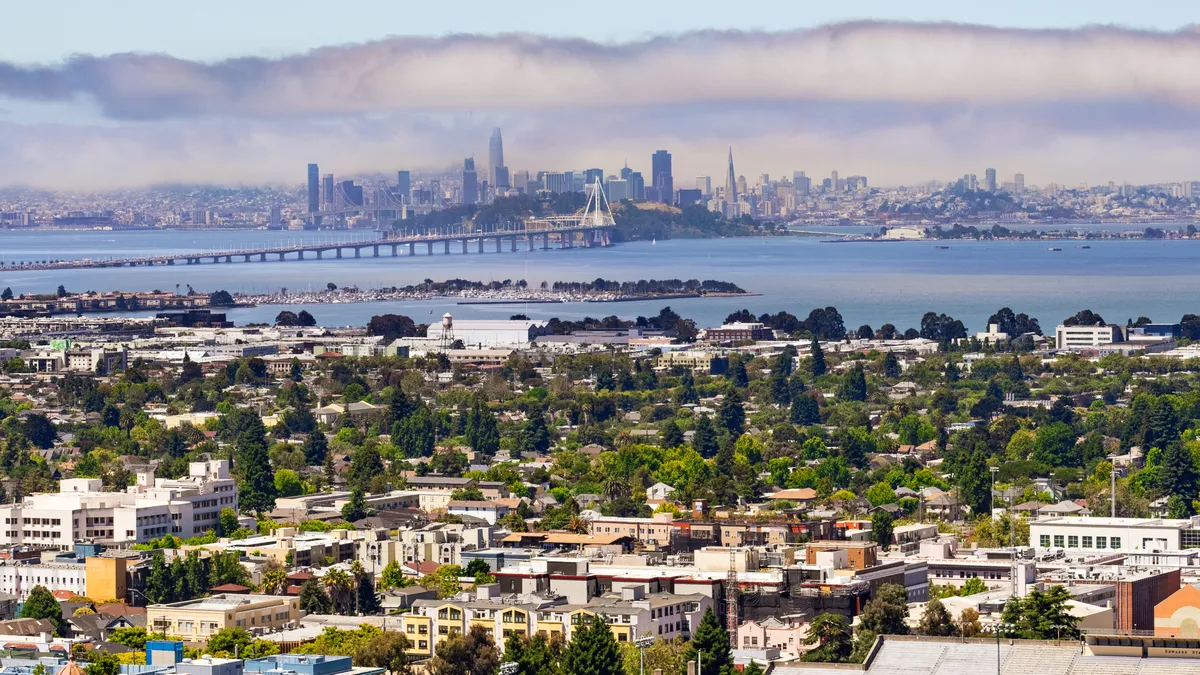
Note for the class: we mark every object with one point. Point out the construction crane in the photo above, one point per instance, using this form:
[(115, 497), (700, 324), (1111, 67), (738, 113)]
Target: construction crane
[(731, 599)]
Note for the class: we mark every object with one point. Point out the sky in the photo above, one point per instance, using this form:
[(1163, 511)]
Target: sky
[(103, 95)]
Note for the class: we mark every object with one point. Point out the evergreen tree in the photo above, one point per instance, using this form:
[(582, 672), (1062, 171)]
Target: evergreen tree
[(1177, 476), (669, 435), (315, 447), (882, 528), (951, 372), (854, 386), (257, 489), (974, 486), (534, 435), (364, 465), (711, 639), (891, 366), (830, 637), (313, 598), (355, 508), (885, 614), (731, 413), (804, 411), (592, 650), (737, 372), (704, 437), (686, 393), (41, 604), (483, 433), (367, 599), (157, 583), (817, 356), (398, 407), (936, 620)]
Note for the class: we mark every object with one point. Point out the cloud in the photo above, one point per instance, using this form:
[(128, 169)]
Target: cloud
[(855, 62), (898, 102)]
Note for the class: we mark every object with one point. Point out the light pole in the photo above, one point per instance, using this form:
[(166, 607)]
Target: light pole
[(1005, 627), (1058, 629), (641, 643), (994, 470), (1112, 494)]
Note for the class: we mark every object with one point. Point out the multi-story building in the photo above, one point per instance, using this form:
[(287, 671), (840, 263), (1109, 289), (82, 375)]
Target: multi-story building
[(1086, 337), (655, 531), (1088, 534), (202, 618), (81, 511), (739, 332)]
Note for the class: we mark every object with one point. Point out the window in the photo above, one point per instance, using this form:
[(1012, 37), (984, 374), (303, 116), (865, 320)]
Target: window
[(1073, 541), (411, 628), (1058, 540), (1087, 542), (422, 644), (1114, 543), (1101, 542)]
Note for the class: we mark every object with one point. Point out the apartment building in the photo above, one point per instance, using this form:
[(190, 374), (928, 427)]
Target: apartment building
[(199, 619), (82, 511), (655, 532)]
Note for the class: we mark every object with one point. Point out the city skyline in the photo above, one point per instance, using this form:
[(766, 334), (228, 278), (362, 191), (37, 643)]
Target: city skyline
[(901, 102)]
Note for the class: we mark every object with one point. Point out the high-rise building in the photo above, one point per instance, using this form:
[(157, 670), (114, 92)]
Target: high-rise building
[(470, 180), (353, 194), (616, 189), (314, 195), (327, 192), (520, 181), (559, 183), (404, 186), (989, 180), (660, 176), (801, 185), (741, 187), (501, 179), (731, 191), (590, 176), (704, 185), (625, 171), (1019, 182), (834, 183), (275, 216), (495, 157), (637, 184)]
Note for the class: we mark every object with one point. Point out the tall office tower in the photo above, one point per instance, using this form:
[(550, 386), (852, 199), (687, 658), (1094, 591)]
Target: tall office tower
[(470, 181), (660, 176), (704, 185), (801, 184), (742, 190), (404, 186), (833, 182), (731, 193), (559, 183), (314, 194), (616, 189), (590, 176), (501, 179), (327, 192), (353, 194), (495, 156), (1019, 182), (637, 185), (989, 180), (625, 171), (275, 216), (520, 181)]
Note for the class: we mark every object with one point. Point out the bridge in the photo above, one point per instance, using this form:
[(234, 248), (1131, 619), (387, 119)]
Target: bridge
[(589, 228)]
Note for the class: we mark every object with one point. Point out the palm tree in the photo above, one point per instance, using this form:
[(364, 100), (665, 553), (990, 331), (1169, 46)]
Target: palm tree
[(577, 525), (275, 581), (615, 488), (340, 586)]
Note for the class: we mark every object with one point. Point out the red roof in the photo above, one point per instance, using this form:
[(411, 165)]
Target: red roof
[(426, 567), (230, 588), (63, 595)]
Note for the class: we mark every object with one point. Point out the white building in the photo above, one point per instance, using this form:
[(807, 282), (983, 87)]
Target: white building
[(19, 579), (992, 335), (488, 511), (487, 332), (1085, 337), (81, 511), (1074, 533)]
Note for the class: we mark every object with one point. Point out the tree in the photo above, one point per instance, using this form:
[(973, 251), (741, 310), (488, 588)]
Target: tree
[(731, 413), (391, 327), (891, 366), (62, 291), (1055, 445), (101, 662), (274, 581), (882, 528), (711, 638), (6, 295), (355, 508), (1177, 476), (885, 613), (854, 385), (393, 577), (592, 650), (313, 598), (805, 411), (1038, 615), (816, 359), (228, 522), (936, 620), (534, 435), (220, 299), (303, 318), (704, 437), (737, 372), (881, 493), (287, 483), (831, 635), (367, 599), (365, 464), (41, 604), (973, 482), (257, 489), (286, 318), (39, 430), (669, 656), (444, 580), (669, 435), (315, 447), (388, 650), (470, 653)]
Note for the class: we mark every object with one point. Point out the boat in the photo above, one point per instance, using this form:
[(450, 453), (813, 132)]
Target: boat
[(1085, 246), (943, 248), (1055, 248)]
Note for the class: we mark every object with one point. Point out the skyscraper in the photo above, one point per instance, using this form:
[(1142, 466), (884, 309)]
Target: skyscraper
[(404, 186), (352, 193), (704, 185), (625, 171), (637, 184), (495, 157), (470, 181), (801, 184), (590, 176), (327, 192), (1019, 182), (834, 183), (314, 188), (731, 191), (660, 176), (989, 180)]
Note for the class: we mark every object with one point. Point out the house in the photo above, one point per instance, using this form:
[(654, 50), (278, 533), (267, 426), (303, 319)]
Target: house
[(659, 491), (1064, 508), (488, 511), (944, 505), (773, 633), (799, 496)]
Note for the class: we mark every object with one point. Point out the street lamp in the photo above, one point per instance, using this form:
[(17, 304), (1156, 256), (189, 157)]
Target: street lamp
[(1058, 629), (1112, 494), (994, 470), (509, 668), (1001, 626), (641, 643)]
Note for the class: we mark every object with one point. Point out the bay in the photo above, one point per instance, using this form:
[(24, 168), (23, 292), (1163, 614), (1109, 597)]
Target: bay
[(870, 283)]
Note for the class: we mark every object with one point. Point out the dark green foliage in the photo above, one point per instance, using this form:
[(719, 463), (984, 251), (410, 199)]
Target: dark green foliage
[(731, 414), (882, 528), (1035, 616), (313, 598), (472, 653), (256, 490), (669, 435), (817, 359), (1177, 477), (365, 464), (535, 434), (831, 639), (704, 438), (315, 447), (936, 620), (885, 613), (355, 508), (854, 384), (804, 411), (891, 366), (711, 638), (41, 604), (737, 372)]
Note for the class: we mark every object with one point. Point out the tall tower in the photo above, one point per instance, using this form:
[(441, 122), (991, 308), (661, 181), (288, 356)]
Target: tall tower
[(989, 180), (470, 182), (731, 191), (314, 188), (660, 176), (495, 157)]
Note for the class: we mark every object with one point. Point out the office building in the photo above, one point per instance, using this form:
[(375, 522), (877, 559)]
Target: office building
[(559, 183), (352, 195), (1086, 337), (275, 215), (404, 186), (80, 511), (989, 180), (834, 183), (1019, 183), (470, 180), (704, 185), (625, 171), (637, 185), (688, 197), (592, 176), (501, 180), (495, 159), (660, 176), (801, 185), (201, 618), (327, 192), (314, 198), (616, 189), (1078, 534)]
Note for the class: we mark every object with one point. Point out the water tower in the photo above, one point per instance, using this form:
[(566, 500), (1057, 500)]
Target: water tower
[(447, 331)]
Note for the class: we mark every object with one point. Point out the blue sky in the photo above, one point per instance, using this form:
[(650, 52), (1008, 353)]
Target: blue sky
[(50, 30)]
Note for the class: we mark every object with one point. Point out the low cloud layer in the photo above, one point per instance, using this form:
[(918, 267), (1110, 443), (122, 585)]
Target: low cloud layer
[(898, 102)]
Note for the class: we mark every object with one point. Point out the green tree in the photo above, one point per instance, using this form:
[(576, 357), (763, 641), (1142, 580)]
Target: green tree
[(804, 411), (936, 620), (392, 577), (669, 435), (854, 384), (974, 482), (711, 639), (7, 294), (737, 372), (881, 493), (830, 638), (388, 650), (1037, 615), (1055, 445), (972, 586), (882, 528), (355, 508), (228, 522), (102, 663), (257, 489), (816, 359), (444, 579), (472, 653), (313, 598), (41, 604), (669, 656), (287, 483), (315, 448), (885, 613), (534, 435), (1177, 477), (704, 437), (592, 650), (891, 366)]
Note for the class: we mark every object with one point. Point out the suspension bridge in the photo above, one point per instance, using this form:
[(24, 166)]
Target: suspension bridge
[(590, 227)]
